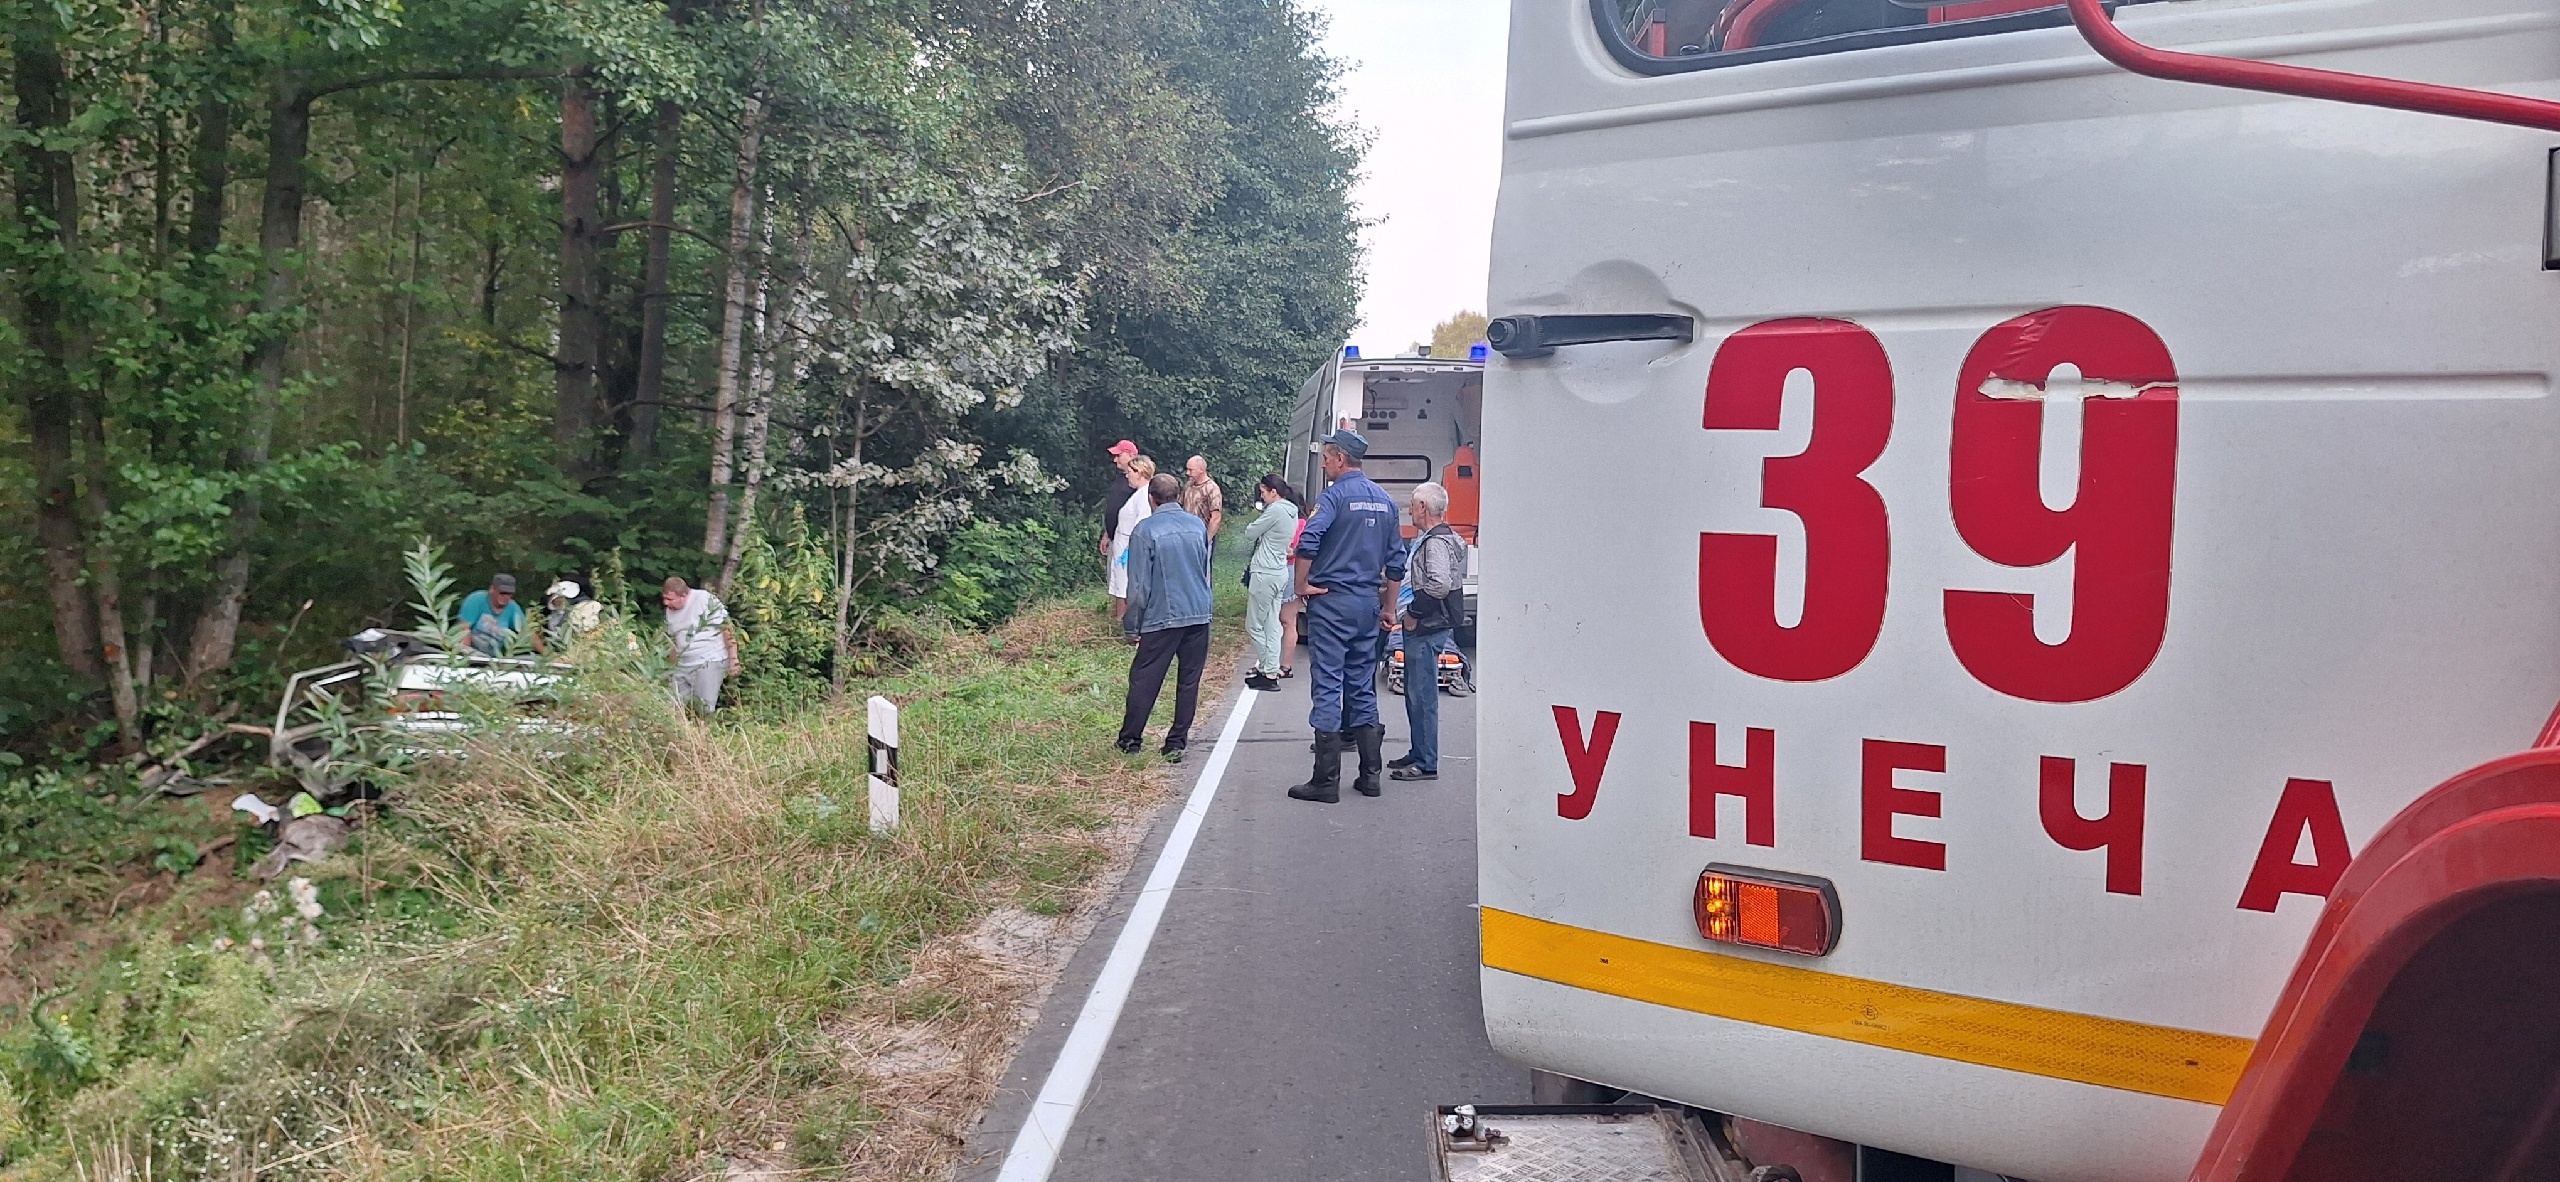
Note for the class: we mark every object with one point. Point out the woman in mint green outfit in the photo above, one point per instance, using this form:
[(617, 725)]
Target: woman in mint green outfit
[(1269, 576)]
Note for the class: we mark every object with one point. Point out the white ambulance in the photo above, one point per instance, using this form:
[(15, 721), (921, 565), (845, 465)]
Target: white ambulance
[(1424, 420), (2022, 648)]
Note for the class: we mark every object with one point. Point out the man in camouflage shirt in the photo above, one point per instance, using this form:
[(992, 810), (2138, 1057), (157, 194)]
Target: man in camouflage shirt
[(1201, 496)]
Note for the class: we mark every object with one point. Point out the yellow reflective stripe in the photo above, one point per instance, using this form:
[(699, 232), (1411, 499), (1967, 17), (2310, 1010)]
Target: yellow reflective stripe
[(2158, 1060)]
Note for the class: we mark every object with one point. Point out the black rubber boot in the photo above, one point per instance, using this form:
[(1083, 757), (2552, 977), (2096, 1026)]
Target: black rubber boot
[(1370, 738), (1325, 787)]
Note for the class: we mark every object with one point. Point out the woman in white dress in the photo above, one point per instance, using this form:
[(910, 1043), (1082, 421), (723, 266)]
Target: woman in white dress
[(1132, 511)]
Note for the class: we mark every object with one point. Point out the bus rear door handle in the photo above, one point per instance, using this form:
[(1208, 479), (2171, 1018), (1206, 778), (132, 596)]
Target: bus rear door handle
[(1538, 336)]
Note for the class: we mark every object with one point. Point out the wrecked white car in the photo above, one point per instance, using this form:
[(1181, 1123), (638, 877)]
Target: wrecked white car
[(402, 696)]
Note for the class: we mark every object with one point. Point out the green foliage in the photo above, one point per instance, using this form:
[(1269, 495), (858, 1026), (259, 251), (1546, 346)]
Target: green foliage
[(993, 237), (1207, 354), (53, 1061), (993, 568), (174, 855), (783, 605), (57, 824), (431, 581)]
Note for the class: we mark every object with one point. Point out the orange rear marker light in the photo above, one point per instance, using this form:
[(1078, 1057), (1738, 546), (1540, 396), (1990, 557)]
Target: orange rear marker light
[(1768, 909)]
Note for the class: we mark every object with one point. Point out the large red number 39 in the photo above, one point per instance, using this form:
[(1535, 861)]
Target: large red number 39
[(2117, 527)]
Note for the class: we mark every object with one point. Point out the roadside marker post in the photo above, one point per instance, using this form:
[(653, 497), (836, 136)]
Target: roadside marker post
[(884, 765)]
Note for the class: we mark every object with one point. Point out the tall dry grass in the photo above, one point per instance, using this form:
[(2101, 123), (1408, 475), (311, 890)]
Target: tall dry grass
[(675, 951)]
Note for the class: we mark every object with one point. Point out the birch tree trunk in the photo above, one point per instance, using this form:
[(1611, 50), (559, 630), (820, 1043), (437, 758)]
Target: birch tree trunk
[(756, 404), (845, 555), (409, 313), (743, 263), (779, 359), (142, 646), (105, 584)]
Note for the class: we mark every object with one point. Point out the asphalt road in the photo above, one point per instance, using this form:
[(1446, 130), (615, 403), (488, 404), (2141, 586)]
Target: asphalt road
[(1311, 993)]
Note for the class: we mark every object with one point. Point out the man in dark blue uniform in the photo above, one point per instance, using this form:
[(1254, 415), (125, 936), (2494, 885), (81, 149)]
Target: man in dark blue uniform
[(1353, 561)]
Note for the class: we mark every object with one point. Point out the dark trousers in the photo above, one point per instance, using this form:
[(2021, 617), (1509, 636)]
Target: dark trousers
[(1146, 679)]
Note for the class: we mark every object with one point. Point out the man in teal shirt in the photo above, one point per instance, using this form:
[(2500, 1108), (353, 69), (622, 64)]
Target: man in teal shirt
[(493, 618)]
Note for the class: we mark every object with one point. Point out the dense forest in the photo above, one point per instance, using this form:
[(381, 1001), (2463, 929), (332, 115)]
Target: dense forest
[(840, 299)]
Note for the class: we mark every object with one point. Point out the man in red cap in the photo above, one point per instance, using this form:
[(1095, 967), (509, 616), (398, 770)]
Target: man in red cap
[(1121, 453)]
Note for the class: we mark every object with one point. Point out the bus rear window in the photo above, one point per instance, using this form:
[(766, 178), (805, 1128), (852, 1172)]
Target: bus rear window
[(1666, 36)]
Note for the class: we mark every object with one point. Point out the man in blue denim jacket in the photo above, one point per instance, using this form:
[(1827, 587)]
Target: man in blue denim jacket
[(1168, 616)]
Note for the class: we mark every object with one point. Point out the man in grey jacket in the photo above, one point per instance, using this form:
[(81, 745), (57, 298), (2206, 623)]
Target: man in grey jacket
[(1437, 573), (1168, 616)]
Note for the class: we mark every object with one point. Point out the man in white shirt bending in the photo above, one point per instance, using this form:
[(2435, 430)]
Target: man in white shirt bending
[(705, 646)]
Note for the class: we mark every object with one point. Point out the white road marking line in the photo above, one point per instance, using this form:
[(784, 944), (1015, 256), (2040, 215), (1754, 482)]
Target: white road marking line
[(1044, 1134)]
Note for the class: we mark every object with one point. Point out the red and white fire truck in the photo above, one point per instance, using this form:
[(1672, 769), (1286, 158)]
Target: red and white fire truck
[(2024, 643)]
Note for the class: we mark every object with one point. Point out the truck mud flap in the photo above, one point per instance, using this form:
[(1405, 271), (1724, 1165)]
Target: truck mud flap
[(1573, 1143)]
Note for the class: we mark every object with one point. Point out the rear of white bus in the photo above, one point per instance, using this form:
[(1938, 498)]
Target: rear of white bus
[(2085, 510)]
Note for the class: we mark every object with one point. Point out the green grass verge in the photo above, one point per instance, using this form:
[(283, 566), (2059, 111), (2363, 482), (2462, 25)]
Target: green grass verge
[(623, 963)]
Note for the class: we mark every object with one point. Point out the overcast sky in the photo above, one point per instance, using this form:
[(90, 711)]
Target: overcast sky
[(1424, 77)]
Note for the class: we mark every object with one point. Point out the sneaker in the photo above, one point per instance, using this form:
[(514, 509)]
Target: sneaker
[(1404, 760), (1130, 746), (1458, 689), (1173, 755), (1262, 681), (1413, 773)]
